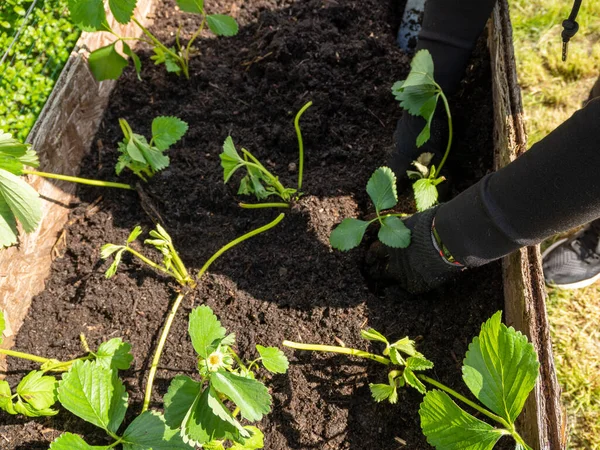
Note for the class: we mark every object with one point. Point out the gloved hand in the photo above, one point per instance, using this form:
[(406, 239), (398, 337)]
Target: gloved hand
[(405, 136), (418, 268)]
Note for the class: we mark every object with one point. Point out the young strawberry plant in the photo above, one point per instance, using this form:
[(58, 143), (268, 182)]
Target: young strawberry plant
[(18, 200), (36, 393), (146, 158), (500, 369), (392, 232), (259, 181), (107, 63), (198, 408), (419, 95), (173, 267)]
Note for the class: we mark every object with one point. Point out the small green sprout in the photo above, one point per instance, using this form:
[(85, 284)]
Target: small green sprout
[(418, 95), (198, 408), (259, 181), (107, 63), (143, 158), (393, 233), (500, 369)]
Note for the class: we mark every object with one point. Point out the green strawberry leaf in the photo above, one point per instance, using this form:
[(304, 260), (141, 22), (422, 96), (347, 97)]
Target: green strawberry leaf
[(89, 15), (2, 326), (421, 70), (418, 363), (273, 359), (14, 154), (230, 159), (381, 392), (8, 225), (254, 442), (222, 25), (69, 441), (501, 368), (122, 9), (6, 398), (371, 334), (381, 187), (205, 330), (149, 431), (348, 234), (448, 427), (406, 345), (134, 234), (106, 63), (208, 420), (426, 193), (114, 354), (137, 63), (38, 391), (179, 398), (411, 380), (394, 233), (166, 131), (191, 6), (22, 201), (251, 396), (94, 394)]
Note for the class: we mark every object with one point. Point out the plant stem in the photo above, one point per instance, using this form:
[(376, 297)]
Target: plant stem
[(336, 349), (191, 41), (450, 132), (464, 399), (79, 180), (180, 267), (256, 163), (159, 349), (235, 242), (300, 142), (177, 303), (263, 205), (153, 264), (21, 355)]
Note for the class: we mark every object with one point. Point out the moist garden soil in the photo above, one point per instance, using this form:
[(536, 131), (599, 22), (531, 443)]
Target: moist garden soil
[(287, 283)]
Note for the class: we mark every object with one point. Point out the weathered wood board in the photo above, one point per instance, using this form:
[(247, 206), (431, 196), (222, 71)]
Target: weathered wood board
[(542, 423)]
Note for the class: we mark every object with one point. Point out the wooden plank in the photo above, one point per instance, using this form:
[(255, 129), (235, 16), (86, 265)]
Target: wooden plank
[(62, 135), (542, 422)]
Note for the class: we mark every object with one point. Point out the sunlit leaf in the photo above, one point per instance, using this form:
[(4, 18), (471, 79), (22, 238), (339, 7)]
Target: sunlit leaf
[(381, 187), (348, 234)]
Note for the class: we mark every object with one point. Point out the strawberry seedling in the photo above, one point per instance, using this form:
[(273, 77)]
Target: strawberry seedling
[(259, 181), (146, 158), (419, 95), (198, 408), (107, 63), (382, 191), (500, 369)]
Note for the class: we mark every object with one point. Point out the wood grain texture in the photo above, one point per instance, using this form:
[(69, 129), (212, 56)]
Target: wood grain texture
[(62, 135), (542, 421)]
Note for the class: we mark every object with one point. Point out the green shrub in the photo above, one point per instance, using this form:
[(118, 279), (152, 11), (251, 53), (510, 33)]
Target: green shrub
[(35, 60)]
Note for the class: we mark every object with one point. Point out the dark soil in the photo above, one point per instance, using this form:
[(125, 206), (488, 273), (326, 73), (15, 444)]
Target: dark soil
[(287, 283)]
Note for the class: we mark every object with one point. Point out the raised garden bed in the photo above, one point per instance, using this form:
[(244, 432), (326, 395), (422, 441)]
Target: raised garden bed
[(288, 283)]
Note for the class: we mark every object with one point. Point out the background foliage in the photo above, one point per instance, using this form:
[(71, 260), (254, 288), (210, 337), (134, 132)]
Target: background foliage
[(31, 61)]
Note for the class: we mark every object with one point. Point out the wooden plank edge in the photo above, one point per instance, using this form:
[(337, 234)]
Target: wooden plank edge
[(62, 135), (542, 422)]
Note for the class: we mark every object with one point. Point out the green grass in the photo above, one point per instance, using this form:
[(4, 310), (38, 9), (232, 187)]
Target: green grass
[(34, 61), (552, 91)]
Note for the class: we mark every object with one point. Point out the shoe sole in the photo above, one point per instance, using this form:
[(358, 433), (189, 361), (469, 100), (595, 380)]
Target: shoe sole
[(577, 285)]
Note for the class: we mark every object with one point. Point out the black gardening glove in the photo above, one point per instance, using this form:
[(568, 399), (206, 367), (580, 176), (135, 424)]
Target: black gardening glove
[(417, 268), (405, 137)]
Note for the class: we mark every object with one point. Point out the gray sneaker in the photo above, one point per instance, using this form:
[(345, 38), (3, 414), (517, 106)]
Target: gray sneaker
[(574, 263)]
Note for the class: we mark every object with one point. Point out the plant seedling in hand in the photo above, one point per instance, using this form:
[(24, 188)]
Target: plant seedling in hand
[(393, 233), (143, 158), (18, 200), (259, 181), (107, 63), (500, 369), (419, 95), (198, 408)]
